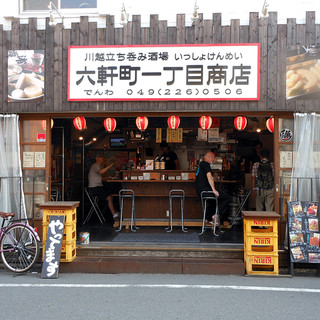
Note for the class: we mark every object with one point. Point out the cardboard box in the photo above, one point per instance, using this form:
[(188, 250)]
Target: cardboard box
[(192, 175), (155, 175)]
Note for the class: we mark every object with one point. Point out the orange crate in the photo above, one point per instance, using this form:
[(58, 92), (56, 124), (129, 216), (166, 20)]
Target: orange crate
[(68, 249), (261, 263), (260, 225), (71, 214), (261, 242), (69, 231)]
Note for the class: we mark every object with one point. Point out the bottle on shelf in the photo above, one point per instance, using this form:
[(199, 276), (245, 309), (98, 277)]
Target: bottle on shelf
[(157, 162), (162, 163)]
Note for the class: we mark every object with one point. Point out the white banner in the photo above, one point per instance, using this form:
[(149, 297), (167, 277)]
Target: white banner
[(170, 72)]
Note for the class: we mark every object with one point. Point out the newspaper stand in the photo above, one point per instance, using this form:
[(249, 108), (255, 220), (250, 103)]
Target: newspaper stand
[(261, 242), (69, 210)]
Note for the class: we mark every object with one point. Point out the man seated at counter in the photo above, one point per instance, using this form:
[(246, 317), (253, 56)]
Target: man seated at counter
[(170, 157), (104, 192), (204, 182)]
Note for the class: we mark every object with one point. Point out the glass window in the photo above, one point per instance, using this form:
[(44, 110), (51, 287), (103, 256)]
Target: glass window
[(40, 5), (33, 131)]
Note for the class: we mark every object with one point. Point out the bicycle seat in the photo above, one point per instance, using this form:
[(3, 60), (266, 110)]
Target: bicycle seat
[(6, 214)]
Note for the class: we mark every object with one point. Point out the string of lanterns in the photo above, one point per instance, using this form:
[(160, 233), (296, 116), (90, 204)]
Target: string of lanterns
[(205, 122)]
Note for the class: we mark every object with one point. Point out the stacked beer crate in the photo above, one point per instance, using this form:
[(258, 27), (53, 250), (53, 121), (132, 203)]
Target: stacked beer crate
[(68, 249), (261, 242)]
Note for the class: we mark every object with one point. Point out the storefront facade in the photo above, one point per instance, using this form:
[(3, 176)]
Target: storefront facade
[(35, 116)]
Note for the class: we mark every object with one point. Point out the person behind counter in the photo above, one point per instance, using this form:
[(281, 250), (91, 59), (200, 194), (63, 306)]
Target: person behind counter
[(170, 157), (204, 182), (104, 192), (263, 182)]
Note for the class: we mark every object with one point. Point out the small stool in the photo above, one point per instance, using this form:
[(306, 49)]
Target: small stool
[(179, 194), (127, 193), (205, 196), (241, 199), (94, 199)]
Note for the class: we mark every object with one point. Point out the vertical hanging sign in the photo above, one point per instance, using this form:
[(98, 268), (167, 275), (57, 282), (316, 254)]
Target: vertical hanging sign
[(51, 261)]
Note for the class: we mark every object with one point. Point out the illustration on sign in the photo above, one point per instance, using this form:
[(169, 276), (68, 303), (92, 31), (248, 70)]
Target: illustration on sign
[(304, 232), (285, 135)]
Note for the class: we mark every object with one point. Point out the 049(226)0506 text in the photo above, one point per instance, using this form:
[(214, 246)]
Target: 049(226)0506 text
[(178, 92)]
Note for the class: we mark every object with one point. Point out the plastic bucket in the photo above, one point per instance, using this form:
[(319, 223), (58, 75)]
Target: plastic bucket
[(84, 237)]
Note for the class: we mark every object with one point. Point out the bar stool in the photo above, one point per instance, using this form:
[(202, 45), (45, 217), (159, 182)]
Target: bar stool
[(241, 199), (94, 199), (127, 193), (205, 196), (178, 194)]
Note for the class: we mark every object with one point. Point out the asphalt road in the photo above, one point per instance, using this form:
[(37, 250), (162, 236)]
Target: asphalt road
[(145, 296)]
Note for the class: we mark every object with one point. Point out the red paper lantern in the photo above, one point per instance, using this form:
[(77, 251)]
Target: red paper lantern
[(110, 124), (270, 124), (240, 123), (205, 122), (79, 123), (173, 122), (142, 123)]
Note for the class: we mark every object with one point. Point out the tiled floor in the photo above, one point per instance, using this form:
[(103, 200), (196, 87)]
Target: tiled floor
[(106, 233)]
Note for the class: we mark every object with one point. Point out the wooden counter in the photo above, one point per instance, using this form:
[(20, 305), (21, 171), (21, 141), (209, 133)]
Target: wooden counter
[(152, 198)]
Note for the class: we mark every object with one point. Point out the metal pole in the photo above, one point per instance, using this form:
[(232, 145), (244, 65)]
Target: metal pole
[(63, 164), (83, 179)]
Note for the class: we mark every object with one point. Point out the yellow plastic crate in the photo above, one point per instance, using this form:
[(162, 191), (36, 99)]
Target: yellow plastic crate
[(71, 214), (261, 242), (68, 249), (262, 263), (260, 225), (69, 231)]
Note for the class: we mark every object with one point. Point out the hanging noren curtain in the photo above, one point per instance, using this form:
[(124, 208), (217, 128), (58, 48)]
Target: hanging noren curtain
[(11, 188), (305, 182)]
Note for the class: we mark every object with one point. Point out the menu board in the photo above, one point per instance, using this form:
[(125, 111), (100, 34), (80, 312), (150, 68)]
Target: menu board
[(304, 232)]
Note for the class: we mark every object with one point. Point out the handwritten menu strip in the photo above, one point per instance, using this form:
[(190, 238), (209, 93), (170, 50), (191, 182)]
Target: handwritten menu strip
[(304, 232), (51, 262), (28, 159)]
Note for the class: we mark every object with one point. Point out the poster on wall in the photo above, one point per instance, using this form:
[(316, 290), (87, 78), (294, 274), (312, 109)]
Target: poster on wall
[(164, 72), (25, 75), (304, 232), (303, 72)]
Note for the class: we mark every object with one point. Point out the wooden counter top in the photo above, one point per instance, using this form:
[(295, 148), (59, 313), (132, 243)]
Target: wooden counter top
[(168, 181), (59, 205), (260, 214)]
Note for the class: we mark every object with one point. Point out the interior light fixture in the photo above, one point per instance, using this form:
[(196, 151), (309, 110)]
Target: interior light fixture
[(124, 16), (258, 130), (264, 11), (195, 15), (52, 21)]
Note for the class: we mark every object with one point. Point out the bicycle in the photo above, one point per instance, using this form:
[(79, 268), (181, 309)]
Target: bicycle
[(19, 244)]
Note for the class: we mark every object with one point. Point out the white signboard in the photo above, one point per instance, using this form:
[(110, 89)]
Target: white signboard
[(28, 159), (170, 72), (285, 159), (40, 159)]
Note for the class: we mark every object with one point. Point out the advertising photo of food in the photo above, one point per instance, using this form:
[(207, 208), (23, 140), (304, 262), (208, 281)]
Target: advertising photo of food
[(303, 78), (25, 86)]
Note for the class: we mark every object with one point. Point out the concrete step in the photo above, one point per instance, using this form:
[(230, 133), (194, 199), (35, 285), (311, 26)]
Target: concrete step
[(133, 264)]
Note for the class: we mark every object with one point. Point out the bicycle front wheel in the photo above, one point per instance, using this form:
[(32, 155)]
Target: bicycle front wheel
[(19, 248)]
